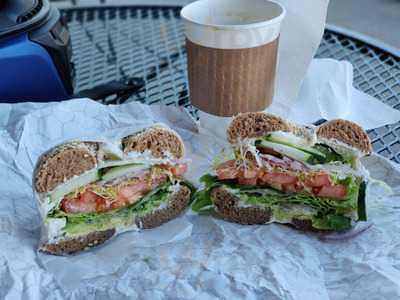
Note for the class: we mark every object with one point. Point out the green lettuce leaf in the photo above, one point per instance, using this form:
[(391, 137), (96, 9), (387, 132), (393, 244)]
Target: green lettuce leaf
[(83, 223), (330, 212), (202, 203), (332, 222)]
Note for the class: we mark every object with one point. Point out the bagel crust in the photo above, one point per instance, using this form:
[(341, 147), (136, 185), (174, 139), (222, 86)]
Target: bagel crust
[(74, 245), (63, 163), (158, 140), (254, 124), (346, 132), (227, 207), (178, 202)]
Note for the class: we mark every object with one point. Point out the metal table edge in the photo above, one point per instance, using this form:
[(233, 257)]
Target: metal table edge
[(65, 5), (120, 3)]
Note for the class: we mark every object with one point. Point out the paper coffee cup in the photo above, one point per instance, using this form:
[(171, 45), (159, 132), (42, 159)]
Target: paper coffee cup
[(232, 53)]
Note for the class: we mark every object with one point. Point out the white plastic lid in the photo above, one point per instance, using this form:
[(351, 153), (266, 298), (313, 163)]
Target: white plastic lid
[(232, 24)]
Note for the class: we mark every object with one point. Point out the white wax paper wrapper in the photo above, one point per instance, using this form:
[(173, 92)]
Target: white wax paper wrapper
[(328, 93), (192, 256)]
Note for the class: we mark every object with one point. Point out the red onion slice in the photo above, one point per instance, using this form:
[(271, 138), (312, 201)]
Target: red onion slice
[(298, 166), (346, 235), (274, 161), (285, 162)]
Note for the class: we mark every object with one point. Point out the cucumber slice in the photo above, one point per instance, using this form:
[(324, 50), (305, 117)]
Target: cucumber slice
[(286, 138), (330, 154), (117, 163), (286, 150), (73, 184), (122, 170), (295, 142), (362, 211)]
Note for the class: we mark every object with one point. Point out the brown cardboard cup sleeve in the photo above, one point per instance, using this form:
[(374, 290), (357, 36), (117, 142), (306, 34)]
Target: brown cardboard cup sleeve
[(225, 82)]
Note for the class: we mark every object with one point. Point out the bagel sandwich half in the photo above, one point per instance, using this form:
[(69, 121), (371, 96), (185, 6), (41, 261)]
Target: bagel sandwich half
[(307, 177), (90, 191)]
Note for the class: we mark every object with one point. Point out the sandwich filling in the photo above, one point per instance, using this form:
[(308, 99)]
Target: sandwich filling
[(103, 195), (111, 197), (294, 177)]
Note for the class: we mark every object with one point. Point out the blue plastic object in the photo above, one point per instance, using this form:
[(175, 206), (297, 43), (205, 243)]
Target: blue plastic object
[(27, 72)]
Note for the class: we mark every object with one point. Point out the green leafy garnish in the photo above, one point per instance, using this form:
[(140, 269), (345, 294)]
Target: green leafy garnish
[(332, 222), (202, 201), (362, 212), (208, 180)]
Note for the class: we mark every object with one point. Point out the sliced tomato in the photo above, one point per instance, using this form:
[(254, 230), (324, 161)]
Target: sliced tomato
[(248, 176), (247, 181), (102, 205), (276, 186), (156, 181), (338, 191), (128, 195), (318, 180), (292, 187), (227, 170), (316, 189), (85, 203), (88, 197), (278, 178), (89, 201), (250, 173), (121, 201), (133, 189), (132, 193), (179, 169)]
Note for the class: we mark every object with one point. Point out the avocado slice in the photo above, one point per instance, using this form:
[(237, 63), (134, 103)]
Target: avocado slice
[(295, 142), (74, 183), (121, 170)]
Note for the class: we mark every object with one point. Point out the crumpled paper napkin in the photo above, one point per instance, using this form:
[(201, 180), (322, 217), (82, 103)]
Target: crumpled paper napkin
[(327, 93)]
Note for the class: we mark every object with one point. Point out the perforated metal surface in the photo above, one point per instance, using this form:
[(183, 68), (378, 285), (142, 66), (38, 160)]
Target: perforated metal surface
[(376, 73), (120, 43), (125, 42)]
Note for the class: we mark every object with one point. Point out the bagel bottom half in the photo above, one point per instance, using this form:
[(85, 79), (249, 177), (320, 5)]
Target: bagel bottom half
[(175, 205), (227, 206)]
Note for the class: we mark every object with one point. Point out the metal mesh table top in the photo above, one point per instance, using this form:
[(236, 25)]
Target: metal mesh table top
[(148, 43)]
